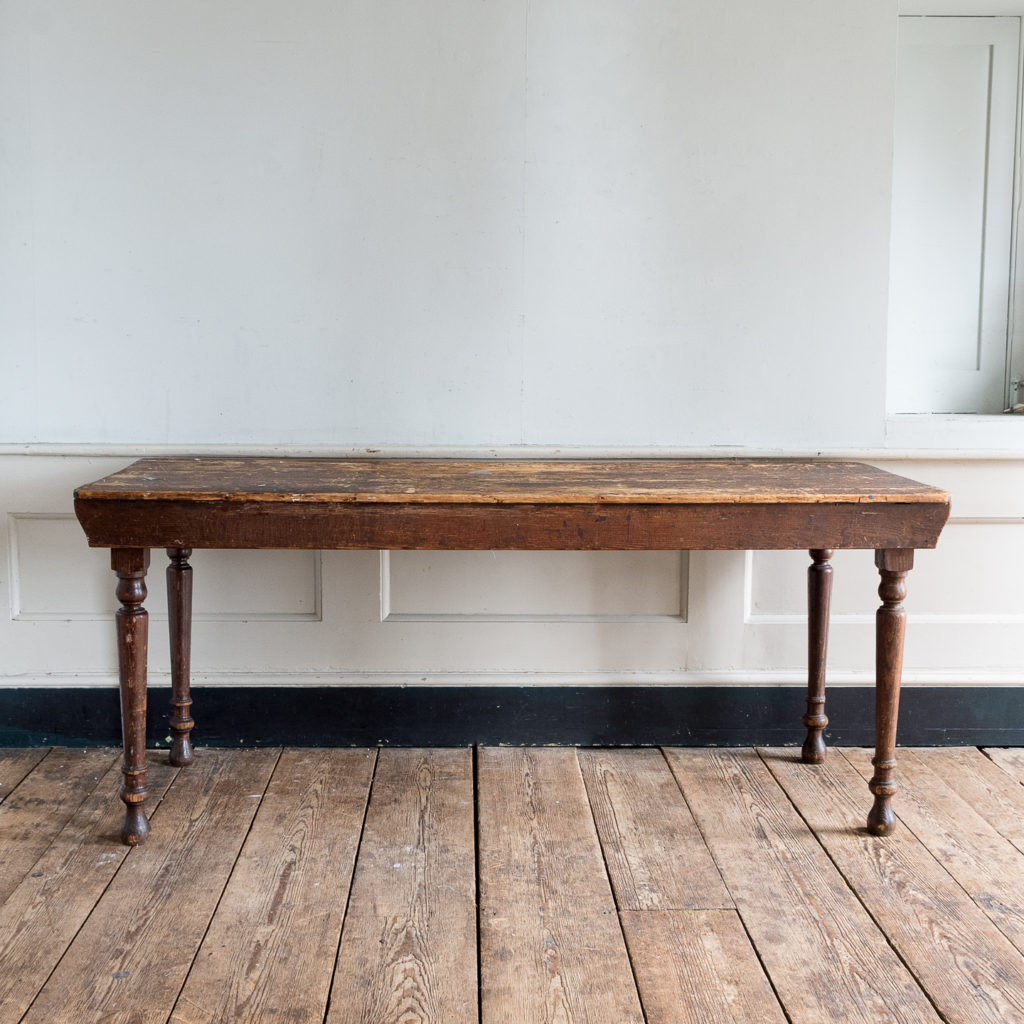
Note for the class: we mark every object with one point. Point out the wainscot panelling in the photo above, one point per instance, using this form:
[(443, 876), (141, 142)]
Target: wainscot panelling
[(533, 586), (234, 583), (510, 618)]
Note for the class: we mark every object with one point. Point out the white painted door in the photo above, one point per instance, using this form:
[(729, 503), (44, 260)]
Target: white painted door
[(953, 181)]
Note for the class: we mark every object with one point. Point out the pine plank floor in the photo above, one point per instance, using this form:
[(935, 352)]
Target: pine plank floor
[(512, 886)]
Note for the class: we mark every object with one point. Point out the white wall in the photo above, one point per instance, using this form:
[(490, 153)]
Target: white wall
[(459, 222), (661, 224)]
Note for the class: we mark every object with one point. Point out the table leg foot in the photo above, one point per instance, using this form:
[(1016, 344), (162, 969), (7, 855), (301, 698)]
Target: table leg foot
[(881, 820), (135, 827), (179, 613), (130, 564), (819, 599), (890, 628)]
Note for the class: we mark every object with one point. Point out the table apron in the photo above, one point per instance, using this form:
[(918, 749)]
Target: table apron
[(113, 523)]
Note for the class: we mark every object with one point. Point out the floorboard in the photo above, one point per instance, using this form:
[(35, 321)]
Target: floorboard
[(551, 945), (969, 968), (656, 857), (41, 917), (408, 949), (269, 952), (696, 966), (128, 962), (827, 958), (41, 805), (512, 886), (983, 784), (16, 765), (1011, 760), (988, 867)]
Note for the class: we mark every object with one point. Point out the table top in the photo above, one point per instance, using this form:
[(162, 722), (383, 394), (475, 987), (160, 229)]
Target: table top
[(465, 482)]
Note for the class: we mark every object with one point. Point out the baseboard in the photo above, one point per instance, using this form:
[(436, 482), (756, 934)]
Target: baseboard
[(528, 716)]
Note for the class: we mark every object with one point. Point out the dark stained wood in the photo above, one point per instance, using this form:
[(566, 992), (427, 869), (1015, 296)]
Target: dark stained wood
[(819, 600), (827, 959), (41, 806), (698, 967), (131, 564), (576, 527), (269, 952), (415, 503), (40, 917), (654, 852), (130, 958), (181, 504), (408, 947), (890, 626), (550, 943), (179, 615), (971, 971), (451, 481)]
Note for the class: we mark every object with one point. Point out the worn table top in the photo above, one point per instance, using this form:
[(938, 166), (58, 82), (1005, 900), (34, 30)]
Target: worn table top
[(444, 481)]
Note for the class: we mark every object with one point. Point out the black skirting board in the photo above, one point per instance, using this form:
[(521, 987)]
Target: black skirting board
[(692, 716)]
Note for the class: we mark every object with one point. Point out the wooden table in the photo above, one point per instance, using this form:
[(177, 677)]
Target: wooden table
[(182, 504)]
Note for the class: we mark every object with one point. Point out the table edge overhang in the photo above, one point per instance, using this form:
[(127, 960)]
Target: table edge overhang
[(524, 526)]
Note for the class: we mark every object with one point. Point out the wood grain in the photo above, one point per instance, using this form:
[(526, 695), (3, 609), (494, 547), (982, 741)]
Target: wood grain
[(42, 805), (408, 946), (1010, 760), (819, 603), (130, 565), (988, 867), (452, 481), (971, 971), (551, 946), (983, 784), (698, 966), (550, 949), (537, 527), (179, 629), (269, 952), (130, 959), (43, 914), (827, 959), (16, 765), (654, 852)]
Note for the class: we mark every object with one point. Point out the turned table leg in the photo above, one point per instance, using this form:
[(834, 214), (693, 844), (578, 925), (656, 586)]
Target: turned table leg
[(819, 599), (130, 564), (890, 626), (179, 613)]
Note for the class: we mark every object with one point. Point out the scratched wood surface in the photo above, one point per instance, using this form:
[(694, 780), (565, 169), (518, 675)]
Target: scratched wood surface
[(41, 917), (495, 885), (270, 949), (792, 899), (130, 958), (551, 943), (428, 481), (970, 969), (408, 949), (40, 806), (655, 855)]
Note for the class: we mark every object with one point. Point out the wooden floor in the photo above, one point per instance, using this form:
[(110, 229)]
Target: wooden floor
[(512, 886)]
